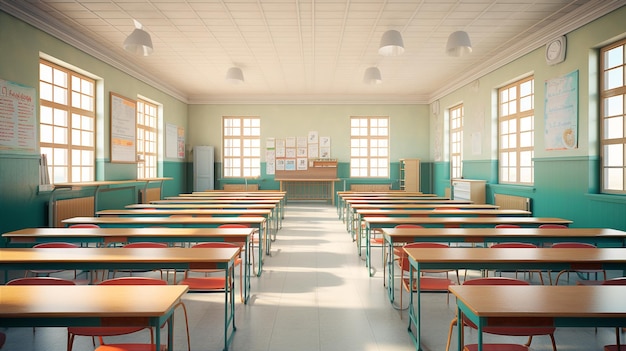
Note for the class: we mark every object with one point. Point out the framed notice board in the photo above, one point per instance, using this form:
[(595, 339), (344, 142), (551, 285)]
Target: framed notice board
[(123, 129)]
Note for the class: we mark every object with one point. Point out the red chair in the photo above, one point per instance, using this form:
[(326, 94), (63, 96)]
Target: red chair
[(397, 250), (101, 332), (3, 338), (254, 240), (432, 284), (508, 331), (553, 226), (47, 272), (520, 245), (212, 283), (84, 225), (588, 271), (507, 226)]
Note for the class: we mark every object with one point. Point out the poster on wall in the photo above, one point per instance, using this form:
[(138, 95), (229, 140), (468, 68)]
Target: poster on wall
[(18, 128), (561, 112), (123, 129), (174, 141)]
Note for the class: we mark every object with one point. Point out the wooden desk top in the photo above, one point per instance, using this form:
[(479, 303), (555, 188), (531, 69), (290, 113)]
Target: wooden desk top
[(28, 234), (108, 182), (87, 301), (236, 193), (464, 220), (459, 255), (163, 220), (432, 205), (353, 198), (349, 193), (479, 234), (202, 206), (405, 200), (196, 256), (251, 200), (189, 212), (443, 212), (229, 198), (543, 301), (308, 179)]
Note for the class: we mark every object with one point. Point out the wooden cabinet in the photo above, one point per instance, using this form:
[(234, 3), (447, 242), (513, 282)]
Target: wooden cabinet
[(410, 174), (469, 189)]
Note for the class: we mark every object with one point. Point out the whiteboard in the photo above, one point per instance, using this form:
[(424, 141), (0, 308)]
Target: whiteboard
[(123, 129)]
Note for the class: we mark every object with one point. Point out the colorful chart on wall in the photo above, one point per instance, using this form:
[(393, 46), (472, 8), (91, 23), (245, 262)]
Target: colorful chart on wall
[(18, 118), (561, 112), (123, 129)]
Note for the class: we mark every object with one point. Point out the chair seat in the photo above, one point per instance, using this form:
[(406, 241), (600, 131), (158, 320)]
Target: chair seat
[(103, 331), (130, 347), (430, 284), (497, 347), (204, 283)]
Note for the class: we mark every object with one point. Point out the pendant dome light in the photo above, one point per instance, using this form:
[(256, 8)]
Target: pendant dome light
[(139, 41), (235, 75), (458, 44), (391, 43), (372, 76)]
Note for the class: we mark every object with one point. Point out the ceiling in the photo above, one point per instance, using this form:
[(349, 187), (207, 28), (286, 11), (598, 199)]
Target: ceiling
[(308, 50)]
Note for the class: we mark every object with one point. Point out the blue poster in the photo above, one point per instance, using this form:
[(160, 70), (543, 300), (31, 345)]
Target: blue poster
[(561, 112)]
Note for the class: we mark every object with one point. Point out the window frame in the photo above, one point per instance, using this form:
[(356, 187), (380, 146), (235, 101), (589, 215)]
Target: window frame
[(370, 144), (606, 141), (517, 121), (456, 114), (85, 118), (248, 142), (147, 159)]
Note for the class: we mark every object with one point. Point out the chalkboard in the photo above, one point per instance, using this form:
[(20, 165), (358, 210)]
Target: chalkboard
[(123, 129)]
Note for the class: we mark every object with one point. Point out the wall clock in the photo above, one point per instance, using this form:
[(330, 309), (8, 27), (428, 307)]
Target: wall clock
[(555, 50)]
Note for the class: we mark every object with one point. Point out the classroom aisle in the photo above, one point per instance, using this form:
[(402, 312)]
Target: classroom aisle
[(314, 295)]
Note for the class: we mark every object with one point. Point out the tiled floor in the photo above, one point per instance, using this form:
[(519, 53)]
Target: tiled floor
[(314, 294)]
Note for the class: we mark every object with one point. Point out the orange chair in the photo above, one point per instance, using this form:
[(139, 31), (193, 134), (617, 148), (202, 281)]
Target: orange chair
[(520, 245), (509, 331), (432, 284), (84, 225), (618, 345), (139, 245), (553, 226), (212, 283), (576, 245), (54, 245), (397, 250), (101, 332), (254, 240), (507, 226)]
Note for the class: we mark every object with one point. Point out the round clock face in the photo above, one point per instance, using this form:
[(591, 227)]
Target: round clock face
[(554, 49)]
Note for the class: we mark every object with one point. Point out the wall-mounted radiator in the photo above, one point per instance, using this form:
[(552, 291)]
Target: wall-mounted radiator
[(511, 202), (76, 207)]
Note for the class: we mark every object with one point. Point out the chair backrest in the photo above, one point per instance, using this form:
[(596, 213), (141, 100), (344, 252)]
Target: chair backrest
[(446, 208), (144, 245), (84, 225), (233, 226), (572, 245), (214, 244), (404, 259), (133, 281), (409, 226), (553, 226), (40, 281), (507, 226), (615, 281), (514, 245), (495, 281), (56, 245)]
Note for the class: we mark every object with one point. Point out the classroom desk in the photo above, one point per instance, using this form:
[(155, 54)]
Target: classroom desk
[(177, 222), (213, 206), (550, 306), (503, 259), (349, 202), (252, 201), (111, 236), (448, 222), (267, 213), (600, 237), (121, 258), (373, 194), (91, 305), (222, 193)]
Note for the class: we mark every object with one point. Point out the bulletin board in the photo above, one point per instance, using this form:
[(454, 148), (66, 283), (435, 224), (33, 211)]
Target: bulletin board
[(561, 112), (17, 117), (123, 129)]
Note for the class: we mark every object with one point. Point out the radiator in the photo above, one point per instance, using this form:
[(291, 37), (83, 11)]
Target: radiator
[(154, 194), (76, 207), (511, 202), (370, 187)]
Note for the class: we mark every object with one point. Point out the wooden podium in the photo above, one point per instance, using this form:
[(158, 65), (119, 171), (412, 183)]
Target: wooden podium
[(317, 182)]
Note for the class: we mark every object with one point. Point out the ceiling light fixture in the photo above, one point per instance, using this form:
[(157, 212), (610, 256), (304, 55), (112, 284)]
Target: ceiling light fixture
[(391, 44), (139, 41), (234, 75), (372, 76), (459, 44)]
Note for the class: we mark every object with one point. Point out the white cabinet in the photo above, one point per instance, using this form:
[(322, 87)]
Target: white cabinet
[(469, 189), (203, 168)]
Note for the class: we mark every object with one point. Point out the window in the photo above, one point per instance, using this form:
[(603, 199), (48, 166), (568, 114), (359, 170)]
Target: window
[(242, 146), (456, 141), (369, 147), (146, 139), (516, 129), (612, 107), (67, 123)]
